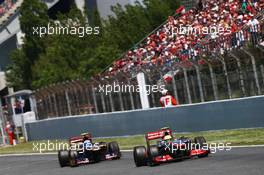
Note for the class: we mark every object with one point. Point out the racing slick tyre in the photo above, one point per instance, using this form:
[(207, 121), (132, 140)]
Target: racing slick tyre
[(103, 151), (200, 142), (73, 158), (153, 152), (140, 156), (63, 157), (114, 149)]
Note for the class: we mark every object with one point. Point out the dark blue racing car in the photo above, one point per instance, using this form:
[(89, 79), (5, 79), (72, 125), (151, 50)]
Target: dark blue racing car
[(83, 151)]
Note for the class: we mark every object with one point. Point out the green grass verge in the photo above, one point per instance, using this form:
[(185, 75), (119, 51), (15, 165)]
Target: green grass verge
[(253, 136)]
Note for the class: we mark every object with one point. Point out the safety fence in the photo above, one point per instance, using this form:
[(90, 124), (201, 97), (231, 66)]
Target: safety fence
[(225, 114), (224, 68)]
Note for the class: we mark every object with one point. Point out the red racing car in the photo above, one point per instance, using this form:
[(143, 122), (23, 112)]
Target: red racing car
[(168, 149)]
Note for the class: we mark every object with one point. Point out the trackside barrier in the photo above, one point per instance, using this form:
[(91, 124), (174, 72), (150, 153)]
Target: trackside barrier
[(226, 114)]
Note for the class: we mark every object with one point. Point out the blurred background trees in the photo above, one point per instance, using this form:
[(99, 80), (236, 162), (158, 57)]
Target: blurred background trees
[(55, 58)]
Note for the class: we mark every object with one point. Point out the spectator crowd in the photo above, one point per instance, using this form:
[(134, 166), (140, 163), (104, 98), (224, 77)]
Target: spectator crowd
[(6, 5), (212, 26)]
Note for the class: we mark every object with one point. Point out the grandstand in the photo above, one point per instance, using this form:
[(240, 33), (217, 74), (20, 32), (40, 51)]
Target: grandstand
[(8, 8), (203, 67)]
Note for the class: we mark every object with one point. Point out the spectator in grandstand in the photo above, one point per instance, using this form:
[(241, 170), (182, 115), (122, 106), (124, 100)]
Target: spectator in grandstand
[(167, 100), (165, 46), (254, 29), (10, 131), (5, 5), (2, 10)]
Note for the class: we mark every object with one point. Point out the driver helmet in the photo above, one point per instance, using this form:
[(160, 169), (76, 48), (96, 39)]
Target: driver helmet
[(167, 136), (86, 136)]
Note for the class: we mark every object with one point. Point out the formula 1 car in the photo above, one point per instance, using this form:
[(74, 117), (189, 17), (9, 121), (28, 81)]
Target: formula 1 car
[(168, 149), (83, 151)]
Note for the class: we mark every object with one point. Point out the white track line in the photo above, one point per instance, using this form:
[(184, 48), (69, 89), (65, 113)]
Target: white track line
[(55, 153), (247, 146)]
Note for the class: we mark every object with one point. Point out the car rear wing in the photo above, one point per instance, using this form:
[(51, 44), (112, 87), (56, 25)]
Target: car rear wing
[(80, 138), (76, 139), (157, 134)]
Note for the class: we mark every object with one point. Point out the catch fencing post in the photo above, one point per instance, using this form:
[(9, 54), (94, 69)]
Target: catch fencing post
[(131, 96), (152, 94), (222, 60), (111, 99), (175, 88), (253, 61), (94, 99), (215, 89), (187, 85), (55, 105), (199, 82), (120, 97), (262, 74), (103, 102), (143, 91), (68, 102), (241, 77)]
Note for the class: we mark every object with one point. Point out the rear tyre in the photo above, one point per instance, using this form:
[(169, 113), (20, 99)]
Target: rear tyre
[(63, 157), (73, 158), (140, 156), (200, 142), (114, 149), (153, 153)]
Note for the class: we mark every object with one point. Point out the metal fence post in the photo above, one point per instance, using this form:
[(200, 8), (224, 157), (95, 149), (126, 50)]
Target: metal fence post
[(199, 82), (262, 74), (121, 100), (45, 107), (227, 77), (152, 94), (50, 106), (103, 102), (193, 87), (215, 89), (111, 99), (24, 131), (68, 103), (175, 88), (94, 99), (111, 102), (55, 105), (241, 77), (187, 85), (253, 61), (131, 96)]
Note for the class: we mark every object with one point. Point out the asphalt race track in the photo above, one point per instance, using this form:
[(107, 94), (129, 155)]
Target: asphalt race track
[(238, 161)]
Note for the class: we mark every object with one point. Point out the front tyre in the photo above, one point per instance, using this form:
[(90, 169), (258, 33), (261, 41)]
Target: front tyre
[(114, 149), (200, 143)]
